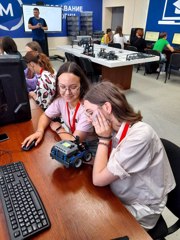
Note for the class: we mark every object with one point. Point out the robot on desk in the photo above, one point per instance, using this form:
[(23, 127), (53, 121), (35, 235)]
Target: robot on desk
[(71, 153), (107, 55), (88, 46)]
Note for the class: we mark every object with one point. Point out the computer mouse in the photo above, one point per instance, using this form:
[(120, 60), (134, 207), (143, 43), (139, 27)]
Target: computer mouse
[(31, 145)]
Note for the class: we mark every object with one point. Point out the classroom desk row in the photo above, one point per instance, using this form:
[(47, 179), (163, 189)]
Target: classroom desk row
[(76, 208), (117, 71)]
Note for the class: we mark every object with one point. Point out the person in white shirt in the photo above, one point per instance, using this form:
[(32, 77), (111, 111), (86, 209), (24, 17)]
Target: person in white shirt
[(119, 37), (130, 156)]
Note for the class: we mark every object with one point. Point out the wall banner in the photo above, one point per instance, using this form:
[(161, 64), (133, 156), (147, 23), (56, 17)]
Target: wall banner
[(12, 23)]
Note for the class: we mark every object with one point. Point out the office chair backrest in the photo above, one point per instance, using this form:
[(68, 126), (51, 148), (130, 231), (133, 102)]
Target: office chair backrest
[(161, 230), (173, 153), (175, 60), (153, 52), (152, 67), (115, 45), (71, 57), (132, 48), (87, 67), (133, 33)]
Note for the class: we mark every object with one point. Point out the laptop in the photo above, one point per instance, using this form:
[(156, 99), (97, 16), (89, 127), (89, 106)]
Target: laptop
[(171, 13)]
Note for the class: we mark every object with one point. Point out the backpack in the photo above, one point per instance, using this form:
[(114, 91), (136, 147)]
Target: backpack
[(151, 67)]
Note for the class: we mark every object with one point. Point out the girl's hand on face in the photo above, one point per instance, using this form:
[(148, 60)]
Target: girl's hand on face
[(101, 124)]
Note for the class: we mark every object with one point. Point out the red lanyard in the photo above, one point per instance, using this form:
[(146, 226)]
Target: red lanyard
[(72, 127), (124, 132), (41, 70)]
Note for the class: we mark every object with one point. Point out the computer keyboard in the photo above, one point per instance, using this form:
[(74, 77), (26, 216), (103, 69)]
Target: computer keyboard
[(23, 208)]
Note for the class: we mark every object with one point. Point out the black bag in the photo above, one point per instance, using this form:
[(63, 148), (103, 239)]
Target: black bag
[(151, 67)]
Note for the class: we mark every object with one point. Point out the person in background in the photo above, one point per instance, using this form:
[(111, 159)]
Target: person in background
[(71, 86), (31, 76), (130, 156), (119, 37), (45, 89), (8, 46), (138, 41), (161, 43), (107, 38), (38, 25)]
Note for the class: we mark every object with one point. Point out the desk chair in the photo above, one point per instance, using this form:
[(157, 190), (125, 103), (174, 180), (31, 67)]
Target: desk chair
[(131, 48), (114, 45), (174, 64), (152, 67), (87, 66), (160, 231), (71, 57), (134, 49)]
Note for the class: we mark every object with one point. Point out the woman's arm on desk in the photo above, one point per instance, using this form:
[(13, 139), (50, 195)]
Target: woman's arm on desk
[(44, 121)]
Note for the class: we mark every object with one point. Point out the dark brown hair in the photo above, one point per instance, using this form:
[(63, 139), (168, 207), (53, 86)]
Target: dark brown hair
[(108, 30), (8, 45), (39, 58), (107, 92), (163, 34), (74, 68), (34, 46), (36, 9)]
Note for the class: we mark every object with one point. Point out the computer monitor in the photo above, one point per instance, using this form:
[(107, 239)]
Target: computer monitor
[(151, 36), (14, 100), (176, 39)]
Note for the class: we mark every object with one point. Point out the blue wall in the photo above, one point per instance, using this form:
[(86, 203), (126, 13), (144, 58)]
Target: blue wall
[(171, 21), (11, 21)]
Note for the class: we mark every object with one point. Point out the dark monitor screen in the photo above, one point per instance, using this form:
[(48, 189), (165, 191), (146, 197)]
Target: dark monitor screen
[(51, 14), (14, 100), (151, 36), (176, 39)]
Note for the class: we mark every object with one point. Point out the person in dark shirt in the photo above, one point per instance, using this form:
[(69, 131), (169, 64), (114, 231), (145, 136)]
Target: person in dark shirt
[(138, 41), (38, 25)]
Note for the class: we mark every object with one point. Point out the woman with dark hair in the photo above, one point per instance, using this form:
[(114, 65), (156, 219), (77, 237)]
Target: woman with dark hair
[(71, 86), (119, 37), (130, 156), (45, 88), (9, 46), (107, 38), (31, 76)]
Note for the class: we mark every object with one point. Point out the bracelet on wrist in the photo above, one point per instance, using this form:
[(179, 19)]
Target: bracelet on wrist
[(57, 129), (107, 138), (103, 143)]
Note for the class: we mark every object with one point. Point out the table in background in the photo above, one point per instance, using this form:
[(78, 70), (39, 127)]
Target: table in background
[(117, 71), (76, 208)]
